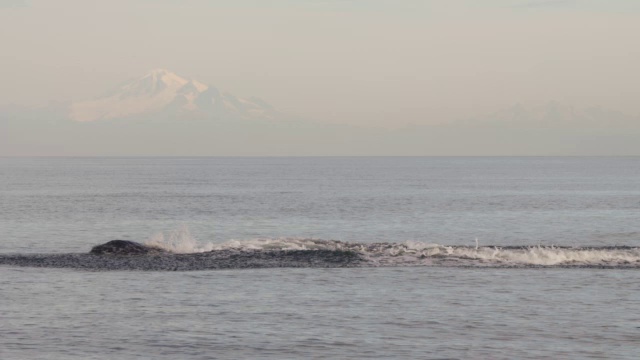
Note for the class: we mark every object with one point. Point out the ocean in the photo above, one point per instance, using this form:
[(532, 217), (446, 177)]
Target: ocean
[(457, 258)]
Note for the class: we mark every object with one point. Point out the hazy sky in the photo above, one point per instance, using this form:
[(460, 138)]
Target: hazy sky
[(351, 61)]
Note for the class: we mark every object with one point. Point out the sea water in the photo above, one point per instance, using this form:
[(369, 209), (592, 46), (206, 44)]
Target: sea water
[(503, 221)]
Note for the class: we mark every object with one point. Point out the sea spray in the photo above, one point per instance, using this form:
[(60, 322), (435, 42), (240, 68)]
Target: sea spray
[(178, 241)]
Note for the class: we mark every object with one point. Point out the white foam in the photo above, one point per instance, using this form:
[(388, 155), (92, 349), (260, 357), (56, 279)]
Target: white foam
[(415, 253), (432, 254)]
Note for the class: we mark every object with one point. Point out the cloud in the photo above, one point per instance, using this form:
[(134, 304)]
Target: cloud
[(13, 4)]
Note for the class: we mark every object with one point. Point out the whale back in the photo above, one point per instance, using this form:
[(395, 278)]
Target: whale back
[(123, 247)]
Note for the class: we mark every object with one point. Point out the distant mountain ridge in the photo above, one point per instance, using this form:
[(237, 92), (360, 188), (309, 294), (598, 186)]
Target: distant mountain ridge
[(162, 93), (554, 114), (160, 125)]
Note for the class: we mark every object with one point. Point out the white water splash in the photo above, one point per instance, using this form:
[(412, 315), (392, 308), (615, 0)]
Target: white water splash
[(414, 253), (282, 244), (178, 241)]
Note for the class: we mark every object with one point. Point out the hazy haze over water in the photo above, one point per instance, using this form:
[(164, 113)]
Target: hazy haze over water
[(369, 71), (343, 61)]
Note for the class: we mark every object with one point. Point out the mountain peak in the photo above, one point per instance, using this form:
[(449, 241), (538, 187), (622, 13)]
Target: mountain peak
[(161, 92), (159, 73), (159, 78)]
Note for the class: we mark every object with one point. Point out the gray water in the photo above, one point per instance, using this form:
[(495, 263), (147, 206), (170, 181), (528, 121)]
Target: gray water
[(63, 205)]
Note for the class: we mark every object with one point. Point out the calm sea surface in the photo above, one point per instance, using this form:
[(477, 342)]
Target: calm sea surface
[(63, 205)]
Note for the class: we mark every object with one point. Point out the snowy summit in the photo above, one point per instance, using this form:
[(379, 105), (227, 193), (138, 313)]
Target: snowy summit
[(162, 93)]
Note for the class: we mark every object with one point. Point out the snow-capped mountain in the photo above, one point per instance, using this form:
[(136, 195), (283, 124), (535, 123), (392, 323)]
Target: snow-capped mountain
[(161, 93)]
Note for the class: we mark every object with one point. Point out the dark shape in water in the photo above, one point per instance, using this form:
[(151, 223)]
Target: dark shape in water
[(129, 255), (166, 261), (124, 247)]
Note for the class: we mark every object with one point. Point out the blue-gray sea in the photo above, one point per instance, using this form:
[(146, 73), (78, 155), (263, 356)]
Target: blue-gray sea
[(565, 286)]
